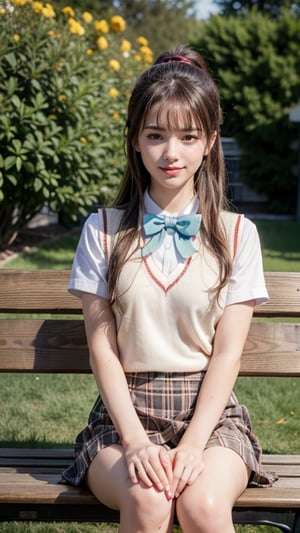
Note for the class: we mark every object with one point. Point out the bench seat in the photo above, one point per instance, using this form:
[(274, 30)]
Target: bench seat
[(30, 489)]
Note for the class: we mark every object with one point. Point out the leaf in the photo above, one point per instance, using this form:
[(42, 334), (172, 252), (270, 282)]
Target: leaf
[(16, 101), (17, 145), (11, 86), (12, 178), (18, 163), (37, 184), (9, 162), (11, 59), (46, 192)]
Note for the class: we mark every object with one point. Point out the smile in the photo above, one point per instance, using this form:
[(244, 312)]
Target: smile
[(171, 171)]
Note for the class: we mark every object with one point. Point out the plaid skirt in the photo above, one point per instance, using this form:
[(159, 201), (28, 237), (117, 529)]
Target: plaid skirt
[(165, 404)]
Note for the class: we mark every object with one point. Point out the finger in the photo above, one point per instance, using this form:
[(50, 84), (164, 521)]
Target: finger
[(159, 467), (166, 462), (142, 475), (132, 473), (154, 473)]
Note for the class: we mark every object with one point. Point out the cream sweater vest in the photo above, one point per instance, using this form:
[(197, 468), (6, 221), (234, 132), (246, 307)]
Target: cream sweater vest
[(168, 324)]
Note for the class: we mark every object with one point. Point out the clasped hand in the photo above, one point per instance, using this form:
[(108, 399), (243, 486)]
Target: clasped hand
[(168, 471)]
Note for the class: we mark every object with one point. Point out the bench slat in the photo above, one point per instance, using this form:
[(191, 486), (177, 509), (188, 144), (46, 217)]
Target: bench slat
[(284, 292), (41, 291), (46, 291), (39, 488), (272, 349)]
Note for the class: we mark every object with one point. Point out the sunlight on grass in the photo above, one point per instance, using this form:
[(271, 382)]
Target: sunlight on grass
[(55, 254)]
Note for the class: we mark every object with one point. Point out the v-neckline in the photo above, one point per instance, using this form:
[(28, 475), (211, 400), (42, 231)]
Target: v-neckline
[(163, 281)]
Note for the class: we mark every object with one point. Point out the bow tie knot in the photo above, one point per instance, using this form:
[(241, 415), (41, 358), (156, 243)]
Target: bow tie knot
[(183, 229)]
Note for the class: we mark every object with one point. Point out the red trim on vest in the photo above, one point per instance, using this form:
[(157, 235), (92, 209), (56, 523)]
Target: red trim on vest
[(236, 235), (159, 283), (105, 243)]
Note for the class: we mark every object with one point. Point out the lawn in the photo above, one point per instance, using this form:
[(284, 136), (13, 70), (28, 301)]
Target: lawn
[(43, 410)]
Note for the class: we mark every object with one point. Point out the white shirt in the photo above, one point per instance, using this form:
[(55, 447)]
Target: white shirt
[(89, 266)]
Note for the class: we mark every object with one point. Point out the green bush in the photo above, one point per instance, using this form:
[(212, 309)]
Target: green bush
[(65, 79)]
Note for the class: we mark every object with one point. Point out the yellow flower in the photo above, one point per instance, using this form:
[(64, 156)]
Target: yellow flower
[(51, 33), (75, 27), (147, 54), (125, 46), (117, 23), (87, 17), (37, 7), (19, 2), (281, 421), (102, 43), (114, 65), (113, 93), (68, 11), (116, 115), (89, 52), (48, 11), (142, 41), (61, 97), (16, 37), (101, 25), (2, 11), (138, 57), (83, 140)]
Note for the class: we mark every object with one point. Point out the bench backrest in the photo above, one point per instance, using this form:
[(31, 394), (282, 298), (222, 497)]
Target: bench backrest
[(41, 326)]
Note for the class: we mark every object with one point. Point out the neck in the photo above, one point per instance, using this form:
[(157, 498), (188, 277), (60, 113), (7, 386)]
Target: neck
[(171, 203)]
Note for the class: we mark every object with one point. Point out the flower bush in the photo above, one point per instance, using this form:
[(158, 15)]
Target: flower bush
[(65, 79)]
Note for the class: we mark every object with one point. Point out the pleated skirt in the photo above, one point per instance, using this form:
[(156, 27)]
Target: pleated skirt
[(165, 404)]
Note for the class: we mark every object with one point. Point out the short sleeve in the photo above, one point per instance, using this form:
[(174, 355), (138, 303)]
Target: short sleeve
[(88, 273), (247, 281)]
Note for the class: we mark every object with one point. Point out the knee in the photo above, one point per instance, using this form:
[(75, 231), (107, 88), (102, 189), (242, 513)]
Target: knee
[(149, 506), (205, 512)]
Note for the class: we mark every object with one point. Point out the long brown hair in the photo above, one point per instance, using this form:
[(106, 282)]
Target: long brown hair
[(177, 86)]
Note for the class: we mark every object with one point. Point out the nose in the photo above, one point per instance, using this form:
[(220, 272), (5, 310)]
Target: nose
[(170, 150)]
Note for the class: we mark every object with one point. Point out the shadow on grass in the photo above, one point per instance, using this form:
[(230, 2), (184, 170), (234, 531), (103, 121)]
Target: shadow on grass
[(37, 444)]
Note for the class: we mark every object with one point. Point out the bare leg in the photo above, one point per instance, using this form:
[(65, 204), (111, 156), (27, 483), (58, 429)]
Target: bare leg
[(142, 510), (206, 505)]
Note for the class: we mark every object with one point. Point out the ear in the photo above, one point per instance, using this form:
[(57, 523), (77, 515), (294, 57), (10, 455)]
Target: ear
[(210, 142)]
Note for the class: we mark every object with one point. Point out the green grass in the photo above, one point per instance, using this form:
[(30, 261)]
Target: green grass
[(280, 244), (19, 527), (55, 254), (48, 410)]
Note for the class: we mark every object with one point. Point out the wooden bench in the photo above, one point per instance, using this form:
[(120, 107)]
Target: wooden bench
[(29, 488)]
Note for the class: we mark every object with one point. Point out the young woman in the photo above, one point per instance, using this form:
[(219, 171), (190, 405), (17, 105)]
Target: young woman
[(168, 279)]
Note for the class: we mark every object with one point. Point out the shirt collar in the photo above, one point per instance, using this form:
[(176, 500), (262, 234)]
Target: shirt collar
[(152, 208)]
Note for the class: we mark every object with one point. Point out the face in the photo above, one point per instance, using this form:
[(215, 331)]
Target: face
[(171, 156)]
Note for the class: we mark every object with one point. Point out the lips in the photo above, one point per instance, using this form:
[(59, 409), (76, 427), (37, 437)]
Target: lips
[(171, 170)]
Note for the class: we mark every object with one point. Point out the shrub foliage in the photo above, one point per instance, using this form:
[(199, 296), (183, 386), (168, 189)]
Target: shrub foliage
[(65, 79), (256, 62)]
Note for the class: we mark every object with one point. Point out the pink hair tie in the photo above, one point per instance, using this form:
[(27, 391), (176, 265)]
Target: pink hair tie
[(180, 59)]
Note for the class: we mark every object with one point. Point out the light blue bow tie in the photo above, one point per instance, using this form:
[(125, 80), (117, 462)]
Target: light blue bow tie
[(183, 229)]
